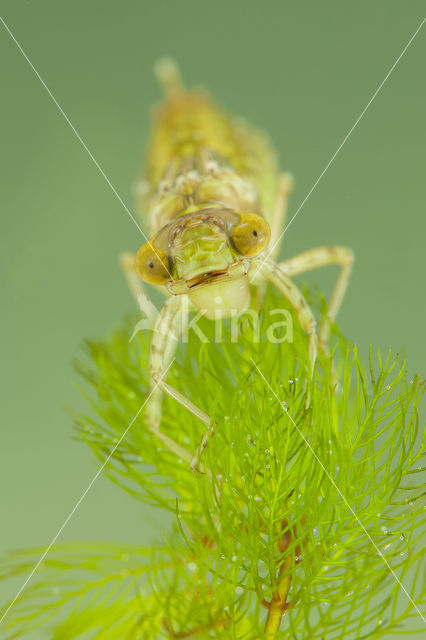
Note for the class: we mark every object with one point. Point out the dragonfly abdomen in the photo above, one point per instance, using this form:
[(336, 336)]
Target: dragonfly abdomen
[(198, 155)]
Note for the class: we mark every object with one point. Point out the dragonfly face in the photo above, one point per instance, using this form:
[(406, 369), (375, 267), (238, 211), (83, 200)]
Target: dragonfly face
[(206, 255)]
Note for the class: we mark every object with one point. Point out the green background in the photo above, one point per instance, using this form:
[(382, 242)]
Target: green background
[(303, 71)]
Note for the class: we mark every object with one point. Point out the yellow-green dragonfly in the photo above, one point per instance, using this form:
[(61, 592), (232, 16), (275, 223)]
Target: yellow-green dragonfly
[(214, 203)]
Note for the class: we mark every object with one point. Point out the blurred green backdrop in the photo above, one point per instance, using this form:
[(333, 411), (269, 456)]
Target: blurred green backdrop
[(303, 71)]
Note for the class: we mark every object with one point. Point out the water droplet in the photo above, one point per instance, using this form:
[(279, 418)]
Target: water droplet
[(191, 566), (384, 529), (246, 454), (290, 381), (402, 537), (268, 466), (223, 556), (233, 558), (267, 451), (226, 418), (249, 497)]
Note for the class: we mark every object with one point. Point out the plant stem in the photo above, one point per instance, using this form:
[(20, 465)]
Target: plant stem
[(273, 621), (277, 607), (278, 604)]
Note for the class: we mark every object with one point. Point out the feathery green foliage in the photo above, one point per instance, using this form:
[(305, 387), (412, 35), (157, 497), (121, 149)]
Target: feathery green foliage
[(318, 509)]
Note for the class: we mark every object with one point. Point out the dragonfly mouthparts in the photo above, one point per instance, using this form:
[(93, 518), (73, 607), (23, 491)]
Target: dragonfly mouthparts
[(234, 270), (206, 278)]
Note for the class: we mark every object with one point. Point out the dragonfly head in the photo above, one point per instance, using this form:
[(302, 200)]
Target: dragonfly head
[(206, 255)]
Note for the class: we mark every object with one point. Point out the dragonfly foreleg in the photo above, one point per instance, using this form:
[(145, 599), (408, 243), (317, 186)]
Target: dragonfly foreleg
[(127, 264), (322, 257), (167, 331), (283, 190), (271, 271)]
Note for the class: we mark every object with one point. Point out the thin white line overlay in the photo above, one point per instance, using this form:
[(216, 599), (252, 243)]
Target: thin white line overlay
[(380, 553), (80, 139), (80, 500), (339, 148)]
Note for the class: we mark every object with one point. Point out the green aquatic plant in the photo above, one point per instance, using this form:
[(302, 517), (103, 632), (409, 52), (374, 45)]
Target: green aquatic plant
[(303, 520)]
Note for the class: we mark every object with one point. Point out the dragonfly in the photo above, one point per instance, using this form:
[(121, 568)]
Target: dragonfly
[(214, 203)]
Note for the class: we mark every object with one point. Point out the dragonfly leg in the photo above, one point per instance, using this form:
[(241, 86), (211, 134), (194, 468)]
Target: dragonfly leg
[(283, 190), (167, 331), (127, 264), (272, 272), (322, 257)]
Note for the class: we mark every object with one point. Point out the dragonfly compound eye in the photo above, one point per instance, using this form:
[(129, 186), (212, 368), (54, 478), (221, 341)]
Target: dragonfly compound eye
[(251, 235), (152, 264)]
